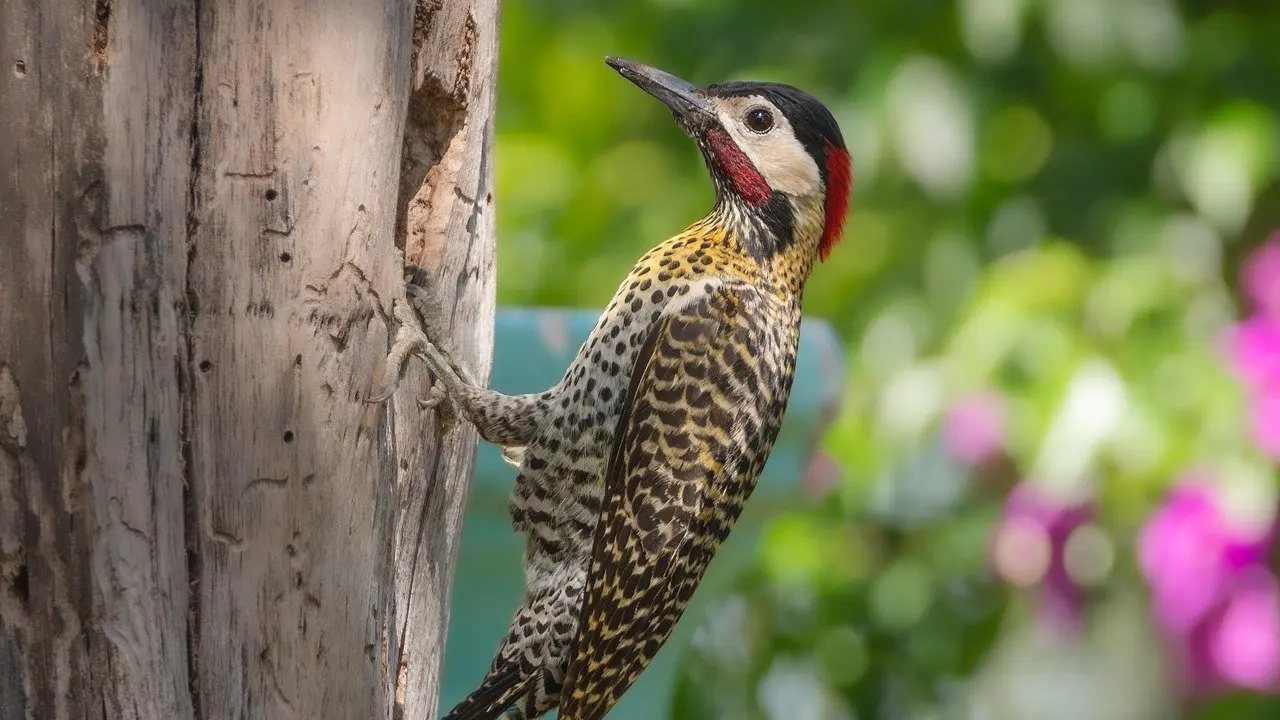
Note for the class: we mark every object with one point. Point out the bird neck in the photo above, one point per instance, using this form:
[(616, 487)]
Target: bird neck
[(781, 237)]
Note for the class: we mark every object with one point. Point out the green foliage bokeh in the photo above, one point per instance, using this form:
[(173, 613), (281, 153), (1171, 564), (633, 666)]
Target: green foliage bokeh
[(1045, 191)]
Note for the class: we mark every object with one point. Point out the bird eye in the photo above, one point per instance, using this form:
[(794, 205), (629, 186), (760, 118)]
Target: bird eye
[(760, 120)]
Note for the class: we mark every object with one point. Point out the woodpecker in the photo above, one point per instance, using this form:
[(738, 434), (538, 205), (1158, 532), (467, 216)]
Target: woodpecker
[(635, 466)]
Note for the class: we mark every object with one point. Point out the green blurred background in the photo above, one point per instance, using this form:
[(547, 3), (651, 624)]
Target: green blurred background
[(1052, 199)]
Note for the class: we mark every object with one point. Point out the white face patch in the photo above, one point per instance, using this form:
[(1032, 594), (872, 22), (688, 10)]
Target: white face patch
[(777, 154)]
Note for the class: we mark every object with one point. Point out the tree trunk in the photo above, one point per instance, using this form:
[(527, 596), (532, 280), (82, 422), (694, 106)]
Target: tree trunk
[(200, 515), (447, 227)]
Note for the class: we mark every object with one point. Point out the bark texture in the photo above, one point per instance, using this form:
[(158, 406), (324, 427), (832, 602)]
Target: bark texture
[(200, 515), (96, 152), (447, 226)]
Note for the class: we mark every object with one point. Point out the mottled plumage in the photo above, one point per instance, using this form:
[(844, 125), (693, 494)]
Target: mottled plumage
[(636, 465), (701, 415)]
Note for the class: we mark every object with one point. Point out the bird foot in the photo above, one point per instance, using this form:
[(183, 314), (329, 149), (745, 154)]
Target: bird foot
[(435, 396), (413, 340)]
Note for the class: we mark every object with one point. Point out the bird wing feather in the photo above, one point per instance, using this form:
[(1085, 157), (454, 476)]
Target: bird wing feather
[(500, 689), (685, 456)]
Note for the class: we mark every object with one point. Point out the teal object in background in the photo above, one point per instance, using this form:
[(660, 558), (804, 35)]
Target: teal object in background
[(533, 347)]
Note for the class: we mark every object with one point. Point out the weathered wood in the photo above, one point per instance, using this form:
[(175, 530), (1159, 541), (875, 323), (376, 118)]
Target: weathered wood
[(95, 127), (198, 510), (447, 225)]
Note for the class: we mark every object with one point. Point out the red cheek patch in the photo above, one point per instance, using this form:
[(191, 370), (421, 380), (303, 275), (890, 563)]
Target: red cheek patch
[(839, 177), (746, 179)]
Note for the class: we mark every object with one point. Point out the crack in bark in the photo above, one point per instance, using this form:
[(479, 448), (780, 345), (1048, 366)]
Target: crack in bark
[(265, 482), (246, 174), (186, 386), (101, 35)]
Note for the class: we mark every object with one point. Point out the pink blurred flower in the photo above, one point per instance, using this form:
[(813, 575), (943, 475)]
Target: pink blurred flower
[(1029, 548), (1211, 590), (1260, 277), (1253, 348), (1244, 642), (1264, 423), (1181, 552), (974, 428), (1253, 345)]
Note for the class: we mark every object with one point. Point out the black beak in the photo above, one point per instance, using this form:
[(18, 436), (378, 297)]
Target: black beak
[(690, 107)]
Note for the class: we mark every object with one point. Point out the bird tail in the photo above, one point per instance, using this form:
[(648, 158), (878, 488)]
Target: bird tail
[(524, 681), (498, 692)]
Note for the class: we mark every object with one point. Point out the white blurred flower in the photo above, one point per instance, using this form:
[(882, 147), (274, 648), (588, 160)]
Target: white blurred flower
[(932, 126), (1154, 33), (911, 399), (1090, 414), (723, 636), (1082, 31), (793, 690), (1214, 169), (888, 344), (992, 29)]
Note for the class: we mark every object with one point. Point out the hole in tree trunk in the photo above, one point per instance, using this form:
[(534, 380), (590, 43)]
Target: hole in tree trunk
[(22, 586)]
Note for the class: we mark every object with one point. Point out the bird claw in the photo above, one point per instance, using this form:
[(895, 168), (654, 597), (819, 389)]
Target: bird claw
[(410, 340), (446, 409), (435, 396), (413, 339), (439, 399)]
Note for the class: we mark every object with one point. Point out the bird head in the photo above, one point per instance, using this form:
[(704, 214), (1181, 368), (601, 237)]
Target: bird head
[(772, 149)]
